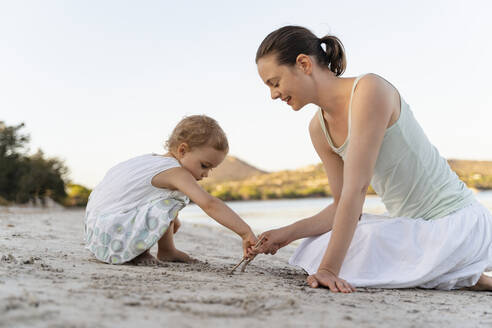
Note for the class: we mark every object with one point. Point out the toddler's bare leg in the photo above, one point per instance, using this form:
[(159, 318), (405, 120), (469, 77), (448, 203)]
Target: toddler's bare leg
[(166, 250)]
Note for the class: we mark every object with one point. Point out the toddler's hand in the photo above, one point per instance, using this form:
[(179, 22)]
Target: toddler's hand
[(249, 240)]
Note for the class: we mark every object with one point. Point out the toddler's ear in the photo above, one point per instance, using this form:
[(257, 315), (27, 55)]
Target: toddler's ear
[(182, 149)]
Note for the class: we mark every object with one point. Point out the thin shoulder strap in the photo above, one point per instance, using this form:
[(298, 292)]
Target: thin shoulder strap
[(350, 103), (323, 127), (322, 120)]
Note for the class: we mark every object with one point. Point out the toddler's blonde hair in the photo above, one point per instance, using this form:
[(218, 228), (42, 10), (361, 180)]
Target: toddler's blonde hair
[(198, 131)]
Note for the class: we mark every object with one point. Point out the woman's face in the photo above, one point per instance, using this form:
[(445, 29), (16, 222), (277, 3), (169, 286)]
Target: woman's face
[(288, 83)]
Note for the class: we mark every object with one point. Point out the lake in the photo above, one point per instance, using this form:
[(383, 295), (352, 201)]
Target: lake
[(267, 214)]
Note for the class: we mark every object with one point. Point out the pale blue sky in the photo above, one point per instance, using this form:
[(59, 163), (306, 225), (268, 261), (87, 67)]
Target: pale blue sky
[(97, 82)]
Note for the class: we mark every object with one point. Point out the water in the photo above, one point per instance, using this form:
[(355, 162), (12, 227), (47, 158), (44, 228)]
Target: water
[(268, 214)]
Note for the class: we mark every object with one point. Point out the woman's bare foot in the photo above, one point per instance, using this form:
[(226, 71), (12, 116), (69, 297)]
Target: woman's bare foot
[(174, 256), (145, 259), (483, 284)]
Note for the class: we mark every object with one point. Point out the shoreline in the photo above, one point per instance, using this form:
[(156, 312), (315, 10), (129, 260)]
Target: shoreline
[(54, 206)]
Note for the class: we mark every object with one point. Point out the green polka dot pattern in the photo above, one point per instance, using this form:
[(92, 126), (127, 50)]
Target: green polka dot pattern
[(116, 246), (115, 259), (119, 237), (89, 235), (102, 252), (105, 238), (118, 229), (151, 223), (138, 246)]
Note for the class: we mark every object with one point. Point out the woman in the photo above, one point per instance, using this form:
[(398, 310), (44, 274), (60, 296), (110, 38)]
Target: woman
[(438, 236)]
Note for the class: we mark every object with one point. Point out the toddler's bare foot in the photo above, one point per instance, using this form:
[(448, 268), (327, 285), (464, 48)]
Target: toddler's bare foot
[(145, 259), (483, 284), (174, 256)]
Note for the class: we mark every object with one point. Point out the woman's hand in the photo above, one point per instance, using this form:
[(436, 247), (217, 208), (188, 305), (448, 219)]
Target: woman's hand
[(273, 240), (249, 240), (328, 279)]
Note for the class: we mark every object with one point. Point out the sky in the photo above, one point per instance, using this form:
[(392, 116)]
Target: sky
[(99, 82)]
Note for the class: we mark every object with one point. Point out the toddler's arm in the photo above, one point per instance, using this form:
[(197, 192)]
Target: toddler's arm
[(180, 179)]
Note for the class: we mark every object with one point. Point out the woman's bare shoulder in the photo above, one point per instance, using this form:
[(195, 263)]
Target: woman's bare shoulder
[(374, 83), (374, 96)]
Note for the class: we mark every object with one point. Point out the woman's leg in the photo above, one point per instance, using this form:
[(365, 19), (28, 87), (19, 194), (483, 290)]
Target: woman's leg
[(483, 284)]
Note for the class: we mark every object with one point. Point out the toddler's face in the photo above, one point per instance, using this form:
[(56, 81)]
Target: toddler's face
[(199, 161)]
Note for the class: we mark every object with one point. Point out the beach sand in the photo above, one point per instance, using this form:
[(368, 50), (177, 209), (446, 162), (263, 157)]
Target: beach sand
[(48, 279)]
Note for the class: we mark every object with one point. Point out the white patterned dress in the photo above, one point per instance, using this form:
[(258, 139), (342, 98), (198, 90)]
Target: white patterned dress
[(126, 215)]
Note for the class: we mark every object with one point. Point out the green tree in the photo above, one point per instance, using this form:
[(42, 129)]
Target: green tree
[(41, 178), (28, 178), (11, 140), (11, 169)]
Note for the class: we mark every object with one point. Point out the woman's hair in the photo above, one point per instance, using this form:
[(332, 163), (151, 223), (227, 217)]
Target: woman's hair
[(290, 41), (198, 131)]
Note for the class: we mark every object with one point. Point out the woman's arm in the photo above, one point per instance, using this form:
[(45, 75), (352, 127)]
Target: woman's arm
[(371, 113), (312, 226), (323, 221)]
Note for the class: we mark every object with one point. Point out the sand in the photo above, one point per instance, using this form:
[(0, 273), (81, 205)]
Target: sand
[(48, 279)]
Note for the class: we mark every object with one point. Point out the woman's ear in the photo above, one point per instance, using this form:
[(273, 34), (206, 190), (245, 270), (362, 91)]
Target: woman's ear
[(304, 63)]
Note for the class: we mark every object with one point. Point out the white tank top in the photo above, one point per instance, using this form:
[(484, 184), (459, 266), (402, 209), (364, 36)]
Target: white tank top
[(410, 176)]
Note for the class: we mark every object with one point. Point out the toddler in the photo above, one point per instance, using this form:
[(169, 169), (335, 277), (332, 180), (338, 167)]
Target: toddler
[(136, 204)]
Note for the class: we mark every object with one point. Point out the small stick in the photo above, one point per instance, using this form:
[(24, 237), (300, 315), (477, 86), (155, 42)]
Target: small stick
[(245, 258), (235, 267), (243, 268)]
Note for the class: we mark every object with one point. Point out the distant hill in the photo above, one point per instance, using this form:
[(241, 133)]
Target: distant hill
[(235, 180), (476, 174), (231, 169), (467, 167)]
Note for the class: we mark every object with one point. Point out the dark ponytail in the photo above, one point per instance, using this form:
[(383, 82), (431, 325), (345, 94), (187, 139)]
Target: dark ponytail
[(334, 54), (289, 41)]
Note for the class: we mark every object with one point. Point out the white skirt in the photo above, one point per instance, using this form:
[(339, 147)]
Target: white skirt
[(446, 253)]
